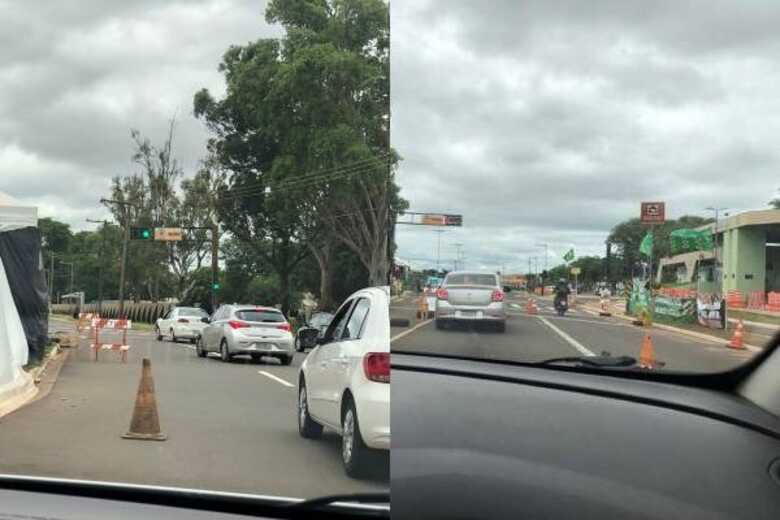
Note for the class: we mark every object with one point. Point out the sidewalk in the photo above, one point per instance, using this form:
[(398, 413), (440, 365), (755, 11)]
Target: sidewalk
[(717, 336)]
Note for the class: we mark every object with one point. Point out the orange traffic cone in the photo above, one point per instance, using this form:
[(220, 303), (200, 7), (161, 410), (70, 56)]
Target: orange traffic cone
[(145, 424), (647, 353), (737, 341), (531, 307), (605, 309)]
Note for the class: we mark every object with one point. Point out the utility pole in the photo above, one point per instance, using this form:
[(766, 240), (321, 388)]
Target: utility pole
[(51, 277), (457, 255), (717, 211), (125, 240), (214, 264), (101, 253)]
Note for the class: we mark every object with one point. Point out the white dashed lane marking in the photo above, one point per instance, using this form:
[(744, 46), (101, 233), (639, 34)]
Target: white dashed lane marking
[(277, 379)]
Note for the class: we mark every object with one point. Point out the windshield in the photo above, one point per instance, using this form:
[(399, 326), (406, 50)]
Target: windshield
[(584, 184), (321, 320), (263, 316), (167, 161), (184, 311)]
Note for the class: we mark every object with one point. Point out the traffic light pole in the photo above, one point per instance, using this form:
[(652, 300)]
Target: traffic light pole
[(214, 265)]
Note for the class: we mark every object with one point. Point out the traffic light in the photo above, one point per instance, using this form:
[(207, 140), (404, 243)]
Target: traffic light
[(141, 233), (216, 286)]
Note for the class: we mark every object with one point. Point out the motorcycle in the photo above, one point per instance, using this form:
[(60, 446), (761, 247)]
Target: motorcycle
[(561, 305)]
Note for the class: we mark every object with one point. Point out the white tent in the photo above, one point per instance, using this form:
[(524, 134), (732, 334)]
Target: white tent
[(16, 386)]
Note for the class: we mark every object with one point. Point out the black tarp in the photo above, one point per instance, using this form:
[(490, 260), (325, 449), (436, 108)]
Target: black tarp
[(20, 251)]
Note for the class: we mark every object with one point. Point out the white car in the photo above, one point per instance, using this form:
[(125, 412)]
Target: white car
[(181, 323), (344, 383)]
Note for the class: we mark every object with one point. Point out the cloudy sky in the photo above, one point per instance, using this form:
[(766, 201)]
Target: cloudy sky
[(76, 76), (549, 121)]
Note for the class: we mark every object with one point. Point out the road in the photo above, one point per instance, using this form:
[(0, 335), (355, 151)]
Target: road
[(547, 335), (231, 427)]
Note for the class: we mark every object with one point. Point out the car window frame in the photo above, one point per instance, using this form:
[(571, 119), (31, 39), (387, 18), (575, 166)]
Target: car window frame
[(362, 323), (328, 337)]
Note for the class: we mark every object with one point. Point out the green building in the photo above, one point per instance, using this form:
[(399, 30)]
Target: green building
[(747, 249)]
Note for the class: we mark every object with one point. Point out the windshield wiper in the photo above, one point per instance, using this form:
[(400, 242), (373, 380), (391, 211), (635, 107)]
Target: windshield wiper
[(603, 361), (357, 499)]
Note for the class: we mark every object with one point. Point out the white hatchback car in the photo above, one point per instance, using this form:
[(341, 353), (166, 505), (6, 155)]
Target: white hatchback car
[(344, 383), (181, 323)]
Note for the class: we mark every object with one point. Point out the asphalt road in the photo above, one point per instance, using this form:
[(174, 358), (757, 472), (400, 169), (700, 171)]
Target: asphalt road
[(231, 427), (547, 335)]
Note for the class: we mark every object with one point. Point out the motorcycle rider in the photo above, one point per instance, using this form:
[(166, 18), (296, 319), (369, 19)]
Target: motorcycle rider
[(562, 292)]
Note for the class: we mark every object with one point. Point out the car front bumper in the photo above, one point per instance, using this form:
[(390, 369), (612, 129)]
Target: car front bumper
[(495, 311)]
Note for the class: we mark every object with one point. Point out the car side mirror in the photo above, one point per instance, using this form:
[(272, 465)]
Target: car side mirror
[(205, 320), (321, 340)]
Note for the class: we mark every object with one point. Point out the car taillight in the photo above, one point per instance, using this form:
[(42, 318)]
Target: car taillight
[(235, 324), (376, 366), (284, 326), (497, 296), (182, 320), (442, 294)]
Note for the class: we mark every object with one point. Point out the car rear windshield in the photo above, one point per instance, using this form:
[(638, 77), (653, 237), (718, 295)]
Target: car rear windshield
[(192, 312), (260, 315), (471, 279)]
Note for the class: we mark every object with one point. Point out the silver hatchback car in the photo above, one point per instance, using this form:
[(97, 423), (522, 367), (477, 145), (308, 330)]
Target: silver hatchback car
[(471, 296), (247, 330)]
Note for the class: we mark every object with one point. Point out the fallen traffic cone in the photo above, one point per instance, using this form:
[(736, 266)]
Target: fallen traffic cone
[(145, 424), (737, 342), (647, 353)]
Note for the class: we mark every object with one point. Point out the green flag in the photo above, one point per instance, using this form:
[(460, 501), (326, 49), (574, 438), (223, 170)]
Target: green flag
[(568, 257), (646, 247)]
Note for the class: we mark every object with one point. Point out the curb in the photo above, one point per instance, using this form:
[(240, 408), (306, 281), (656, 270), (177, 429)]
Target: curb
[(699, 335), (18, 396), (37, 384)]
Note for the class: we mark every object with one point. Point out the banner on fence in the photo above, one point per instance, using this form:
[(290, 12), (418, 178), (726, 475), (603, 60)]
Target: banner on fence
[(711, 311), (675, 310)]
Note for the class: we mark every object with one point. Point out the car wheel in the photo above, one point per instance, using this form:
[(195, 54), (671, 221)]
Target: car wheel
[(306, 425), (354, 453), (223, 352), (199, 348), (158, 333), (298, 347), (173, 337), (286, 360)]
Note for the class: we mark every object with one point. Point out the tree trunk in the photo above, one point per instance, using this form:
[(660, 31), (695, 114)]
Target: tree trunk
[(284, 287), (378, 268), (324, 255)]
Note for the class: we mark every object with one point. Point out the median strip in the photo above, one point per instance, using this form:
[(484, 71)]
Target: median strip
[(568, 339), (277, 379)]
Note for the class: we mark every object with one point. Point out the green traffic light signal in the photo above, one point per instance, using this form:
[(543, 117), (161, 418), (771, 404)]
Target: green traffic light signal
[(141, 233), (145, 233), (216, 286)]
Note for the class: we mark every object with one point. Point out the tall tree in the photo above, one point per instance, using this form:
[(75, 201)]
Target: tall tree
[(304, 133)]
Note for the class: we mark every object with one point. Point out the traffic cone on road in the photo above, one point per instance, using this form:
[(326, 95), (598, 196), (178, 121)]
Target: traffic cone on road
[(738, 340), (145, 424), (647, 353), (531, 307), (605, 308)]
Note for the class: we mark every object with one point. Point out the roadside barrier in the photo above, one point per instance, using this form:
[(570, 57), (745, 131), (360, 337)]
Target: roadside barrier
[(773, 302), (757, 300), (738, 340), (99, 324), (145, 423), (735, 299), (85, 321)]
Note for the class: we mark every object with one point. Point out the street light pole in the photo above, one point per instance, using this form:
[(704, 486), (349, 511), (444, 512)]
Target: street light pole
[(438, 248), (125, 240), (101, 253)]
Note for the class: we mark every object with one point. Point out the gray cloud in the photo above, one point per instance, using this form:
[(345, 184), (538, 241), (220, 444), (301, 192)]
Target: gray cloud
[(75, 77), (551, 121)]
